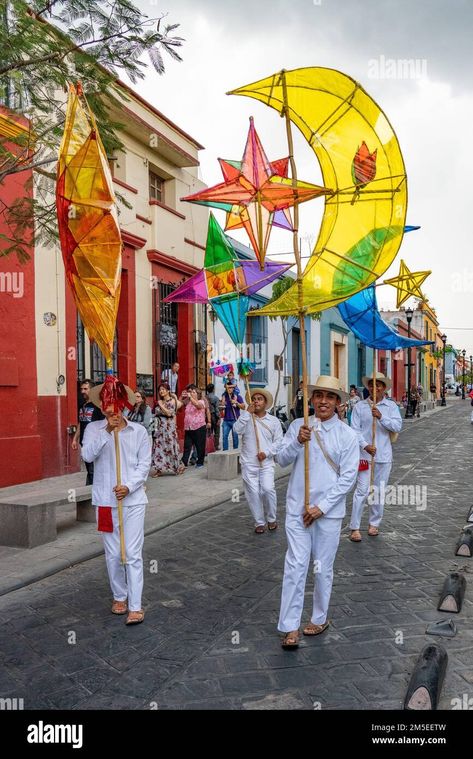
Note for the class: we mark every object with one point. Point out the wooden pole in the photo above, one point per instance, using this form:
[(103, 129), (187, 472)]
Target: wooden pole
[(373, 426), (260, 231), (119, 502), (300, 290), (248, 397)]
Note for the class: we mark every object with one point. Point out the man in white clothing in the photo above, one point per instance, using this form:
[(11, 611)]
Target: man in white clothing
[(387, 423), (333, 466), (135, 459), (171, 376), (257, 457)]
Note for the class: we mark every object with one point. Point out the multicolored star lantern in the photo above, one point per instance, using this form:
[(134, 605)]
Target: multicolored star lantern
[(254, 191), (408, 283), (224, 273)]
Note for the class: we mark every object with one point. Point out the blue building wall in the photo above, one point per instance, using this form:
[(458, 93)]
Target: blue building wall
[(293, 322), (359, 357)]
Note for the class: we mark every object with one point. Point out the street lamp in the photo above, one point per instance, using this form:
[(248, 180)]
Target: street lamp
[(409, 313), (444, 340), (463, 374)]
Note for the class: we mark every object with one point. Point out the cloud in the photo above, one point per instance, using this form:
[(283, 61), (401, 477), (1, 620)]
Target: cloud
[(232, 44)]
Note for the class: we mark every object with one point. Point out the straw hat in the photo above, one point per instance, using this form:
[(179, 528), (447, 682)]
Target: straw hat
[(332, 384), (379, 378), (265, 393), (94, 395)]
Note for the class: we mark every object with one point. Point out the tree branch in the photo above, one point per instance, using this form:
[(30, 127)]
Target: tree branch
[(26, 167)]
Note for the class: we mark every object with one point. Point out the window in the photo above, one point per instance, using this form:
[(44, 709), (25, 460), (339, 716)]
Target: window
[(256, 342), (156, 187), (166, 330)]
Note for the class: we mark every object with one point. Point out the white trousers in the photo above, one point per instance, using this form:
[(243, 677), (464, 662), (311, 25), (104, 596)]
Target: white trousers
[(376, 510), (321, 541), (127, 584), (259, 487)]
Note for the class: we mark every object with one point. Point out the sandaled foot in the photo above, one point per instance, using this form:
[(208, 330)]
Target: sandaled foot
[(373, 532), (313, 629), (119, 607), (272, 526), (259, 530), (355, 536), (290, 640), (135, 617)]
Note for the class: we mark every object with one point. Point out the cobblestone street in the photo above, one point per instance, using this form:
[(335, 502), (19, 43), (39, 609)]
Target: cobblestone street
[(209, 640)]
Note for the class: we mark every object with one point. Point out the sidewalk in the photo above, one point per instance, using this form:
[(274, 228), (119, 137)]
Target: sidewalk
[(171, 499)]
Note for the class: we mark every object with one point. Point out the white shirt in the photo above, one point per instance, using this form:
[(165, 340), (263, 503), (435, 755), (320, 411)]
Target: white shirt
[(171, 378), (362, 423), (270, 436), (135, 460), (328, 490)]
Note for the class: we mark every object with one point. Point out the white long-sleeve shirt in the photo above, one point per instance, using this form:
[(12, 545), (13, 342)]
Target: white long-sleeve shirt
[(362, 424), (270, 437), (135, 460), (328, 489)]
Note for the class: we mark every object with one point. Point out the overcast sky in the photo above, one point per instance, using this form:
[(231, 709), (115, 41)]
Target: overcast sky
[(231, 44)]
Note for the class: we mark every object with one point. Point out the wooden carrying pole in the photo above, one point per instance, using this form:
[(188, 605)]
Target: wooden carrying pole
[(230, 402), (119, 502), (373, 426), (300, 286), (248, 398)]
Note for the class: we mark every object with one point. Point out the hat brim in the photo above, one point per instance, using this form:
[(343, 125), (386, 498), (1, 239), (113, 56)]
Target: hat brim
[(341, 393), (386, 382), (265, 393), (94, 395)]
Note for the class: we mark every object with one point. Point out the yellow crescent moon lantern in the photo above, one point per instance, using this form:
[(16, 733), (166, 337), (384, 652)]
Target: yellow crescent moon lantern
[(361, 162)]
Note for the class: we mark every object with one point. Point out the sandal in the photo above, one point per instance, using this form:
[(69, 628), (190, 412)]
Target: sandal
[(272, 526), (291, 640), (260, 529), (355, 536), (119, 607), (312, 629), (373, 532), (135, 617)]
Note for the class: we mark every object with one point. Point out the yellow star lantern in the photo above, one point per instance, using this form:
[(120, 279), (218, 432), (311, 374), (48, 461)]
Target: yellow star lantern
[(408, 283)]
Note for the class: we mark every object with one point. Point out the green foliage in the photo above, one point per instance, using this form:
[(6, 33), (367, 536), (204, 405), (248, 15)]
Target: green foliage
[(279, 288), (45, 45)]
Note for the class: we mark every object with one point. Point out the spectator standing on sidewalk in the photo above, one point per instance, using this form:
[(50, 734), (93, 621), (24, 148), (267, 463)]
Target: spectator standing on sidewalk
[(232, 403), (353, 399), (171, 376), (415, 402), (214, 405), (88, 412), (166, 454), (195, 424), (135, 459), (141, 413)]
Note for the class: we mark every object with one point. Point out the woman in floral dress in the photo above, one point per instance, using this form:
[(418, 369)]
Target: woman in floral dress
[(166, 453)]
